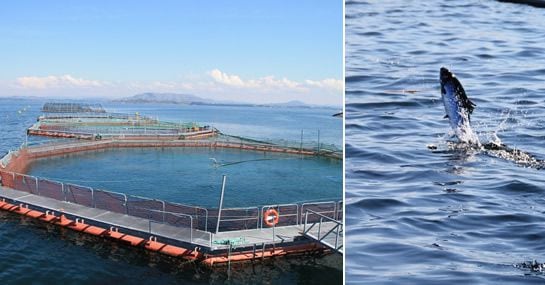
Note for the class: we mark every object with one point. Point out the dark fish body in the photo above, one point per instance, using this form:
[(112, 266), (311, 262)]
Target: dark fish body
[(458, 107)]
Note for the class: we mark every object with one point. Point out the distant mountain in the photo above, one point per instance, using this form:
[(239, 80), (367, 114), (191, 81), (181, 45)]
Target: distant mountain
[(163, 98), (187, 99), (291, 104)]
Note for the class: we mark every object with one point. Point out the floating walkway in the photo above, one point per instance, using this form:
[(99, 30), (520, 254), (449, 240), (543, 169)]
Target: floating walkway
[(185, 242)]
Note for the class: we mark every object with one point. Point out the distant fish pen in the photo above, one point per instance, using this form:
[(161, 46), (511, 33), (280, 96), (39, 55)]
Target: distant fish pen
[(104, 125), (127, 127), (210, 236), (72, 108)]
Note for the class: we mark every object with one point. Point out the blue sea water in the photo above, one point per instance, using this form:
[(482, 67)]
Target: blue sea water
[(422, 216), (35, 253), (190, 175), (264, 123)]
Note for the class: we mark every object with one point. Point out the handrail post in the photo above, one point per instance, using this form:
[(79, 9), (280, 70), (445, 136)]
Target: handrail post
[(301, 145), (262, 208), (318, 140), (163, 202), (126, 206), (335, 211), (93, 204), (273, 233), (297, 213), (221, 202), (191, 229), (337, 237), (306, 221), (258, 217), (205, 219), (319, 227)]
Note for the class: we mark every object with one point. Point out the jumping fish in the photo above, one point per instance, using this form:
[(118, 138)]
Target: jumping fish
[(459, 109), (457, 106)]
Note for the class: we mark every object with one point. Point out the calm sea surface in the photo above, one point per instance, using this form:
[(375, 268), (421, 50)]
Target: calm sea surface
[(422, 216), (34, 253), (190, 176)]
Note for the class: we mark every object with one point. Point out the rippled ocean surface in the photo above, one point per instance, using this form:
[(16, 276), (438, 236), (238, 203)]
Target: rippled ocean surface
[(417, 215), (36, 253)]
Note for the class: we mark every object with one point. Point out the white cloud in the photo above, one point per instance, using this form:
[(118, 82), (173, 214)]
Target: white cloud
[(215, 84), (267, 82), (221, 77), (335, 84), (271, 82), (35, 82)]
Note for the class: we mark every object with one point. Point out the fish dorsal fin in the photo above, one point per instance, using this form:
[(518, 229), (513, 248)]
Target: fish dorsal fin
[(463, 99)]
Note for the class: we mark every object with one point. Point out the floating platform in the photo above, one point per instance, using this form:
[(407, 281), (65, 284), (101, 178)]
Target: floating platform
[(185, 242)]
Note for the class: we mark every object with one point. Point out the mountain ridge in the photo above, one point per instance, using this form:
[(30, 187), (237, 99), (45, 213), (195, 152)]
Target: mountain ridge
[(190, 99)]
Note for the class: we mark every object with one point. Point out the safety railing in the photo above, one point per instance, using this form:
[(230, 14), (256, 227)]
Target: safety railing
[(4, 161), (162, 212), (330, 234), (75, 146), (121, 130), (243, 218), (307, 145), (64, 116), (183, 221), (101, 199), (328, 209)]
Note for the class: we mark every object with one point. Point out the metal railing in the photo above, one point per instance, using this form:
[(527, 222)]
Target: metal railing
[(111, 142), (4, 161), (121, 130), (328, 209), (308, 145), (158, 210), (172, 219), (242, 218), (337, 229)]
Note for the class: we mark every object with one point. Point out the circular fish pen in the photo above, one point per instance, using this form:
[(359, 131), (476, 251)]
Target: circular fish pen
[(164, 190), (193, 175)]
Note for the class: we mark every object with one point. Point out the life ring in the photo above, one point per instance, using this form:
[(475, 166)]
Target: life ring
[(271, 217)]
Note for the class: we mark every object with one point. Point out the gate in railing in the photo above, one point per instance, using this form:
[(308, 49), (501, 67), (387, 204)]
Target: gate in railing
[(328, 209), (325, 230)]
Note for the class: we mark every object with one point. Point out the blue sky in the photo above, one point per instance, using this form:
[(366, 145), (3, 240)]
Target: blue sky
[(221, 50)]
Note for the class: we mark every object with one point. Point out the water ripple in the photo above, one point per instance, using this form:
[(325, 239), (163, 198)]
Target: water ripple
[(424, 216)]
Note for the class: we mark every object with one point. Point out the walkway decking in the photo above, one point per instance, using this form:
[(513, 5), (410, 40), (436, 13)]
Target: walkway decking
[(165, 233)]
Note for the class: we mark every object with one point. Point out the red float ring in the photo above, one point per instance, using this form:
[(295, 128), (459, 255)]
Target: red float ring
[(271, 217)]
